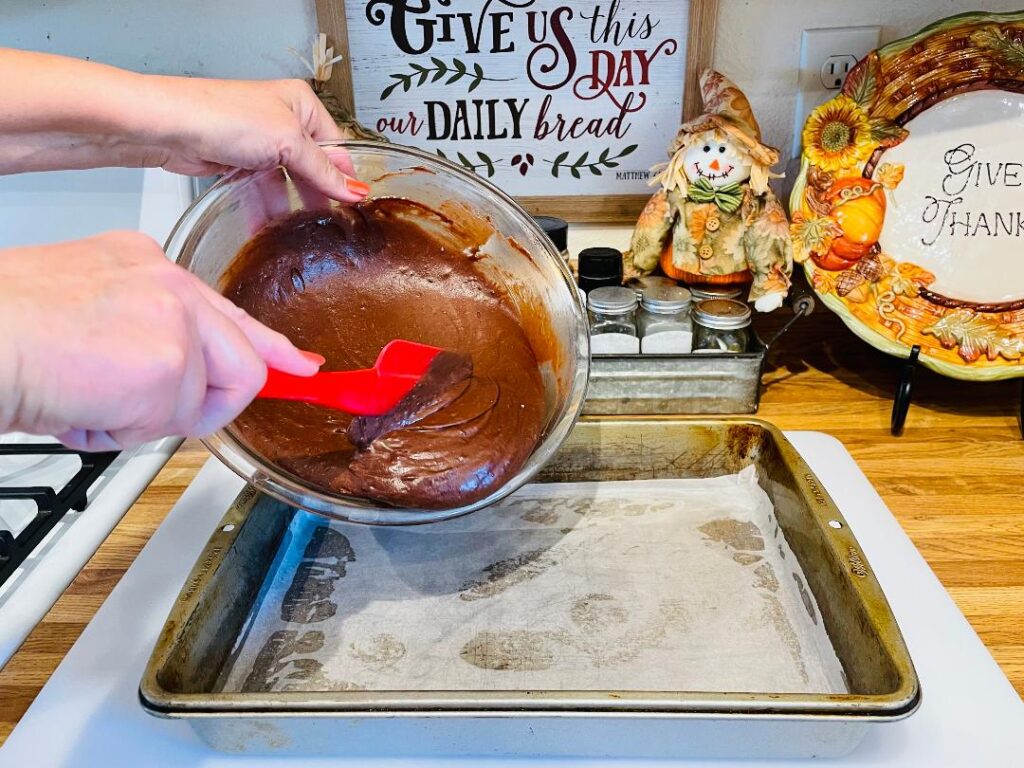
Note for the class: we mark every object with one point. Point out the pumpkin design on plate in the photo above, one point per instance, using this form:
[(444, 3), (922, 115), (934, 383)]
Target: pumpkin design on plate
[(858, 207)]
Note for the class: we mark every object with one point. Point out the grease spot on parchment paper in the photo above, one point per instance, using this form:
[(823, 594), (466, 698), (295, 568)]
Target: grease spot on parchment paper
[(615, 644), (537, 512), (307, 600), (507, 573), (766, 578), (595, 611), (734, 533), (279, 660), (805, 596), (607, 640), (379, 651), (745, 558), (775, 613), (515, 651), (285, 663)]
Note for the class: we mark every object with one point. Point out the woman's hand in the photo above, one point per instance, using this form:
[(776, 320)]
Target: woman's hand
[(61, 113), (107, 344), (218, 125)]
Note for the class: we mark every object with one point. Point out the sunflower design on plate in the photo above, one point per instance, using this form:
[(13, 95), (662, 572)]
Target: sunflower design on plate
[(838, 135), (908, 213)]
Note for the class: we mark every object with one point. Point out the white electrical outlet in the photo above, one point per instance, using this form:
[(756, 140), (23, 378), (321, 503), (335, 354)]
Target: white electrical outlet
[(836, 68), (826, 58)]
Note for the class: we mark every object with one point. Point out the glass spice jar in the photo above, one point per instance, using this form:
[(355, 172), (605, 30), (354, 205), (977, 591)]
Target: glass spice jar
[(721, 325), (612, 314), (705, 292), (664, 321), (638, 284)]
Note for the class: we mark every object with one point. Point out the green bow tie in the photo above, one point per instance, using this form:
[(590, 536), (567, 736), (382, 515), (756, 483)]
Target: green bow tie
[(727, 198)]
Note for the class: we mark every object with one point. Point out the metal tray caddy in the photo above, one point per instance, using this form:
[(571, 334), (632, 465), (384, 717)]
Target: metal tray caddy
[(213, 609), (696, 383)]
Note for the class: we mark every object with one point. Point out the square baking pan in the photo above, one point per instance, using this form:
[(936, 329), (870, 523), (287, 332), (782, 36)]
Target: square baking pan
[(193, 671)]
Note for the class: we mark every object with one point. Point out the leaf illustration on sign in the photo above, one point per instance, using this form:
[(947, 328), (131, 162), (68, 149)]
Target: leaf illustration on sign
[(487, 164), (604, 161), (454, 72)]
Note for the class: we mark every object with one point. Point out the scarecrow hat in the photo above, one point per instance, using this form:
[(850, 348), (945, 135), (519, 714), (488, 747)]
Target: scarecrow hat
[(726, 109)]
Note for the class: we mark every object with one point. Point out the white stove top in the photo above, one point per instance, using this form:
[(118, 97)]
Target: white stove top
[(26, 470), (49, 207), (970, 714), (37, 584)]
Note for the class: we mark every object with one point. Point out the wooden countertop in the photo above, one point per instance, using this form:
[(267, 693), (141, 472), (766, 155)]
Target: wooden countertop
[(953, 480)]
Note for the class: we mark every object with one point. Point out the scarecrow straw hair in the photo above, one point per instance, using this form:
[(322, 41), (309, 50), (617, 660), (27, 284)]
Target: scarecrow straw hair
[(672, 175), (323, 60)]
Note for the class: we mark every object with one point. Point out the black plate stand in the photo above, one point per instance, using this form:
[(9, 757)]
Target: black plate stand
[(905, 389)]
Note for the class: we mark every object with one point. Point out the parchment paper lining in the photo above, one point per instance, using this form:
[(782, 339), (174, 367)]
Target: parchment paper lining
[(664, 585)]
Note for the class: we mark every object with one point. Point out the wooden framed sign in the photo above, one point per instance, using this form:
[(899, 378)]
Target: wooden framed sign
[(565, 106)]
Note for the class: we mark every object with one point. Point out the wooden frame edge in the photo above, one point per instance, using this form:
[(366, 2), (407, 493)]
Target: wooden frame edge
[(330, 19), (700, 52)]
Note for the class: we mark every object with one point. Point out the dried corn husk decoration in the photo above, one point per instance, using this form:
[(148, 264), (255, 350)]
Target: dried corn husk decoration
[(320, 68)]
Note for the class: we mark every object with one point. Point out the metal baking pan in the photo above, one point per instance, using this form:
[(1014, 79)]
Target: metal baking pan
[(710, 384), (227, 593)]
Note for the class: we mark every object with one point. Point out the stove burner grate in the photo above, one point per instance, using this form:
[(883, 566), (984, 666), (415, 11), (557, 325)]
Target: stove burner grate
[(51, 504)]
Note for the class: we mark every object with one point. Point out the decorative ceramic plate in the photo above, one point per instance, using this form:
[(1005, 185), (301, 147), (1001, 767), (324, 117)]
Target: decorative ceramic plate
[(908, 214)]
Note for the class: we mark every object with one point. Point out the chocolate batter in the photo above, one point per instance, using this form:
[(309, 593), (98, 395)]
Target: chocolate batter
[(344, 283)]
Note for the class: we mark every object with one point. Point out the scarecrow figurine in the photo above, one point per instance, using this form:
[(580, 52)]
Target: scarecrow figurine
[(714, 221)]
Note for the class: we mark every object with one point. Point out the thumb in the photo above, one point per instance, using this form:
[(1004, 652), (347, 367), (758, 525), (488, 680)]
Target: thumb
[(310, 163)]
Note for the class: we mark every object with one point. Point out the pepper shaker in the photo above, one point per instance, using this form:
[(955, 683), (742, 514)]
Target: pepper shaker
[(721, 325), (664, 321)]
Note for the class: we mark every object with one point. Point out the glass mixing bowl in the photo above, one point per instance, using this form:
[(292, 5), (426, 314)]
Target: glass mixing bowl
[(518, 256)]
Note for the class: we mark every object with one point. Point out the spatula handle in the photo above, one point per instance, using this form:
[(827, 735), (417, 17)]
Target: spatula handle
[(337, 389)]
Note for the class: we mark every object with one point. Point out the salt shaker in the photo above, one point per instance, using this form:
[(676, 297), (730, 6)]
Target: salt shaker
[(664, 323), (612, 314), (638, 284)]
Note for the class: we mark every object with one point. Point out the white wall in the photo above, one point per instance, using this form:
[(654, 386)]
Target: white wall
[(212, 38), (757, 44)]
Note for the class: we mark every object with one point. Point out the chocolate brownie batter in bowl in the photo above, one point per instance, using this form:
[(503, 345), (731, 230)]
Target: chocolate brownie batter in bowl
[(436, 255)]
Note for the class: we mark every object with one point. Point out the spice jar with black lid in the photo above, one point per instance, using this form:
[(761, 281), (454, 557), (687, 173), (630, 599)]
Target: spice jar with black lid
[(557, 230), (599, 268)]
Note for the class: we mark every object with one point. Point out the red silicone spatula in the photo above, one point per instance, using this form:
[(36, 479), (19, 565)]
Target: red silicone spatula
[(366, 392)]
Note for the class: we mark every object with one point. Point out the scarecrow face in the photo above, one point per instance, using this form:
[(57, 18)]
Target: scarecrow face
[(716, 159)]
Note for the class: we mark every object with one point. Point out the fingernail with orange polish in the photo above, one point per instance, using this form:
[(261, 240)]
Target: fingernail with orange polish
[(357, 187), (313, 357)]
